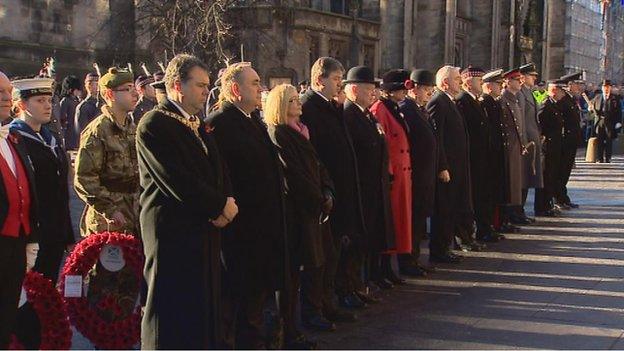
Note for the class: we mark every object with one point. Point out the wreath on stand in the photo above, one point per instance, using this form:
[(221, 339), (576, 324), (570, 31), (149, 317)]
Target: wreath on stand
[(50, 311), (107, 313)]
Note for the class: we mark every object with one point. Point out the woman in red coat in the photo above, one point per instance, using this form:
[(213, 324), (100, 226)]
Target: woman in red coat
[(396, 129)]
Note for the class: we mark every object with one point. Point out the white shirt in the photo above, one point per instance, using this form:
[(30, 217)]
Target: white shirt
[(248, 115), (471, 94), (5, 150), (450, 96)]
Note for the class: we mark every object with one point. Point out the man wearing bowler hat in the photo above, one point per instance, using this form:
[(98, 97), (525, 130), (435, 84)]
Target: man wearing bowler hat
[(609, 111), (424, 159), (373, 162)]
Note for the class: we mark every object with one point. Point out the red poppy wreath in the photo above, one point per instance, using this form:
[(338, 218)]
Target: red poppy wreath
[(109, 316), (50, 310)]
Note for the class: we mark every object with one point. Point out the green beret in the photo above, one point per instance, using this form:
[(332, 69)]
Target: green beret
[(115, 77)]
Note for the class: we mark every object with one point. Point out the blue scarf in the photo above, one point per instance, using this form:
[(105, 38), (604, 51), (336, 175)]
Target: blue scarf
[(19, 126)]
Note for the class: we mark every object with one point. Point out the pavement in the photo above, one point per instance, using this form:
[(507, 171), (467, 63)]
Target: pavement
[(559, 284)]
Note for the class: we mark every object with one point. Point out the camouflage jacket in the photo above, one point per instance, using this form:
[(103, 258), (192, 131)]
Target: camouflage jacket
[(107, 176)]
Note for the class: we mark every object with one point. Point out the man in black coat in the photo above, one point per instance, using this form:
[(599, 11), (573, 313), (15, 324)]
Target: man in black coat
[(254, 245), (572, 136), (185, 199), (480, 152), (609, 111), (551, 120), (17, 225), (331, 139), (371, 151), (453, 193), (424, 159)]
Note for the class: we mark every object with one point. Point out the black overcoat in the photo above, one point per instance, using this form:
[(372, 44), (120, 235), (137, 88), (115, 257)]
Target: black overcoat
[(254, 244), (308, 185), (479, 141), (498, 160), (551, 121), (609, 114), (182, 189), (373, 160), (424, 157), (572, 133), (333, 144), (454, 196), (50, 166)]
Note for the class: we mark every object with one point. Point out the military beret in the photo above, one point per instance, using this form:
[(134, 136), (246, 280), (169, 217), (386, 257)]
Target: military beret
[(607, 82), (528, 68), (115, 77), (25, 88), (493, 76), (91, 75)]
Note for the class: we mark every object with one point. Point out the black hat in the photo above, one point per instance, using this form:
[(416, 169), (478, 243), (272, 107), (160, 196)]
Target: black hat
[(159, 86), (422, 77), (91, 75), (607, 82), (395, 79), (360, 74), (143, 80), (572, 77), (528, 69), (493, 76)]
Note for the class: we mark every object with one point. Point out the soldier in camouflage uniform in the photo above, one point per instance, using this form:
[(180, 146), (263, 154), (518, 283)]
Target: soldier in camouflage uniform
[(106, 166)]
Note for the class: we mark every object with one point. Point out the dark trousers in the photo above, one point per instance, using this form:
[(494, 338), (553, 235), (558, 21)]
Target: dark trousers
[(442, 232), (484, 216), (542, 203), (242, 316), (349, 271), (49, 260), (317, 283), (288, 304), (12, 270), (567, 162), (605, 147), (419, 232)]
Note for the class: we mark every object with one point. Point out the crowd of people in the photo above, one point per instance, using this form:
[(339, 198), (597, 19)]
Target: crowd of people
[(320, 196)]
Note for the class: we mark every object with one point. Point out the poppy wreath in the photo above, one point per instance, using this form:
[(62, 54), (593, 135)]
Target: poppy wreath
[(50, 309), (117, 333)]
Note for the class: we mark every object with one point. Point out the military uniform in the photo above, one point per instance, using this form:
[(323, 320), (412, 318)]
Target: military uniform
[(572, 139), (143, 106), (107, 174), (551, 123)]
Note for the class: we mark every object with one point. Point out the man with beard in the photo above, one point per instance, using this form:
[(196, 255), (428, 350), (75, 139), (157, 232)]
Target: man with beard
[(453, 198), (424, 160), (480, 152)]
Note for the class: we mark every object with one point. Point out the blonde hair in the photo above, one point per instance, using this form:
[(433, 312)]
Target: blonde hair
[(231, 75), (443, 73), (276, 108)]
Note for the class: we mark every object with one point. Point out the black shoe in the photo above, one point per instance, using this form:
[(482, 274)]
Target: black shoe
[(547, 213), (427, 268), (351, 301), (447, 258), (488, 238), (519, 220), (477, 246), (394, 279), (413, 270), (300, 342), (340, 316), (367, 297), (509, 228), (563, 206), (572, 205), (498, 236), (532, 220), (384, 284), (319, 323)]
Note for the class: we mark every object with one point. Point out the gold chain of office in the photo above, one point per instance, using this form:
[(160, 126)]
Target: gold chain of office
[(192, 123)]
